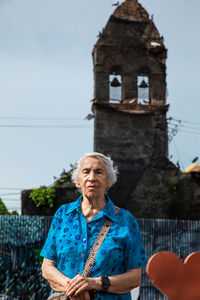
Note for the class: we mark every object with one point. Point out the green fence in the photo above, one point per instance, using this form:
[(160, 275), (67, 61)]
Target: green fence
[(21, 238)]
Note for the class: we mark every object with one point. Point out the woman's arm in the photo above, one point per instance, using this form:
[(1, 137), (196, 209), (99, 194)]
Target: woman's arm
[(124, 283), (58, 281), (119, 284)]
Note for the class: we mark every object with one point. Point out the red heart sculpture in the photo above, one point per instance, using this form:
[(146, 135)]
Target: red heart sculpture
[(175, 279)]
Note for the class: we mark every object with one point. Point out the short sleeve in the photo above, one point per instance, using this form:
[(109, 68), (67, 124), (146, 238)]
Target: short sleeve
[(49, 250), (134, 251)]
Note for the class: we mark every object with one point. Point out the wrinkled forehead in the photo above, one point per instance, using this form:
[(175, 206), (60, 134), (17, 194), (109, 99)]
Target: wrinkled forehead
[(92, 162)]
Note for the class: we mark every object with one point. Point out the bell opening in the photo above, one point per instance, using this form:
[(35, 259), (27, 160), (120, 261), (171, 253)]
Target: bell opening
[(143, 89), (115, 88)]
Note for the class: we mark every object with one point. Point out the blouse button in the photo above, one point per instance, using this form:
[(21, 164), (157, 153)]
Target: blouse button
[(84, 239)]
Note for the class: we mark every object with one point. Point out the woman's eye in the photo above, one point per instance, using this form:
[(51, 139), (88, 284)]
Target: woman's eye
[(85, 171), (99, 172)]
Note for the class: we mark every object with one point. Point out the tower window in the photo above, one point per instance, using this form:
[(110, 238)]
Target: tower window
[(115, 88), (143, 89)]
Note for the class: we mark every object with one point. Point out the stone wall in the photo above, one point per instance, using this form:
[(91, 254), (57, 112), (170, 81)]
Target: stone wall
[(132, 140), (158, 190)]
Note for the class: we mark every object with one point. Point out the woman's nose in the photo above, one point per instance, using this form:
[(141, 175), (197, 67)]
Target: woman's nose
[(92, 177)]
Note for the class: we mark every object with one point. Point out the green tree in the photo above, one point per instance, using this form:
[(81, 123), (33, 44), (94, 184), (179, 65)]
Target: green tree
[(4, 210)]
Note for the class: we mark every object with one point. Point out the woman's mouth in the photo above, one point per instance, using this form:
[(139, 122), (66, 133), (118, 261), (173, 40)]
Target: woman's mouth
[(92, 187)]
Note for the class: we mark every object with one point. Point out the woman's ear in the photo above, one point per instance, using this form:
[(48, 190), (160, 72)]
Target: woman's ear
[(77, 184), (108, 186)]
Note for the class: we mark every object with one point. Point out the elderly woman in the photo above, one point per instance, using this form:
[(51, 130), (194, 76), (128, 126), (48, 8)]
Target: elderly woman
[(75, 226)]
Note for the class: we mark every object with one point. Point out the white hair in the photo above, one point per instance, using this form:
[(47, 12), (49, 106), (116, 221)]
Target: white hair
[(111, 169)]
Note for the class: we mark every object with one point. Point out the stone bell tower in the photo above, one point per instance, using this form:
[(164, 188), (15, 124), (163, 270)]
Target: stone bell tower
[(130, 88), (130, 95)]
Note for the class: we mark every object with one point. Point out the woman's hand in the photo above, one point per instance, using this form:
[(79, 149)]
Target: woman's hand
[(119, 284), (80, 284), (84, 296)]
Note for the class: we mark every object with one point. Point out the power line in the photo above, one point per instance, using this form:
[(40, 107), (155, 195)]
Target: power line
[(13, 208), (188, 127), (42, 118), (184, 130), (176, 125), (7, 199), (45, 126), (7, 194), (11, 189), (192, 132), (192, 122), (81, 119)]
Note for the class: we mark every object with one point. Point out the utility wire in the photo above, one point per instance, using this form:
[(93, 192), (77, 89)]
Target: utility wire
[(41, 118), (171, 118), (176, 125), (78, 119), (192, 132), (11, 189), (7, 194), (11, 208), (185, 130), (45, 126), (11, 200), (188, 127)]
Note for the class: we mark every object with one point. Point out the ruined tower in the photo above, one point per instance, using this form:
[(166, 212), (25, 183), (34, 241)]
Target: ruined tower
[(130, 95), (130, 88)]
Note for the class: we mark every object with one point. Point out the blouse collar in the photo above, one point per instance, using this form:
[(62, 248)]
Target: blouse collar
[(108, 210)]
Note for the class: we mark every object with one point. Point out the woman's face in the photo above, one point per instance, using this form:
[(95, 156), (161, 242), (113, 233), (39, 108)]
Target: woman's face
[(92, 179)]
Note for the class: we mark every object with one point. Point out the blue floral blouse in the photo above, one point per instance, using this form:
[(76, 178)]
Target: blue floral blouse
[(70, 240)]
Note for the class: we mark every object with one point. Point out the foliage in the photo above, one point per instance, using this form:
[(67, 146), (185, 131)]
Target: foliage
[(43, 196), (15, 212), (4, 210), (181, 196), (64, 181), (174, 182)]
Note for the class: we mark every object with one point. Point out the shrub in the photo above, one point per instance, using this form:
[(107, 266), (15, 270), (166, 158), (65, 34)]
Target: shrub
[(43, 196)]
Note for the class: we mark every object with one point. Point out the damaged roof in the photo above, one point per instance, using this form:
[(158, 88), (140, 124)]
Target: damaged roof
[(131, 10), (140, 28)]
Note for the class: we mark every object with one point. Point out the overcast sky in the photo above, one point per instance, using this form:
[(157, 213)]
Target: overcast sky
[(46, 72)]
